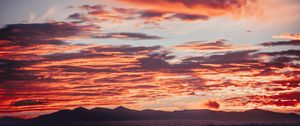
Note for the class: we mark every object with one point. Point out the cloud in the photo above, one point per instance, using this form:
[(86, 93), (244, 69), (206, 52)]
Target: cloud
[(212, 104), (146, 86), (43, 33), (71, 75), (93, 7), (128, 35), (79, 16), (32, 17), (196, 45), (155, 17), (290, 99), (44, 17), (28, 103), (50, 11), (291, 36), (282, 43), (128, 74), (239, 57), (195, 7), (188, 17), (150, 14), (217, 46), (283, 53), (96, 13), (292, 83), (156, 61), (30, 41)]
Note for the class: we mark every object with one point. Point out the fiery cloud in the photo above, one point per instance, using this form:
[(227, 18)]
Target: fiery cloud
[(126, 75), (43, 69), (196, 7), (281, 99)]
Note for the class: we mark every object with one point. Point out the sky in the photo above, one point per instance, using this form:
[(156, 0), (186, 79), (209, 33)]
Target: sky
[(224, 55)]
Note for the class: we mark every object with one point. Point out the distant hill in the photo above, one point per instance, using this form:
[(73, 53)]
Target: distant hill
[(119, 114)]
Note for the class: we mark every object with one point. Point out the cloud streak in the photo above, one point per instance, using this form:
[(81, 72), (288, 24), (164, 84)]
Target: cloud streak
[(127, 35), (290, 36)]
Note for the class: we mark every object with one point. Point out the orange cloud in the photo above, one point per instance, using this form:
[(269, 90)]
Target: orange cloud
[(235, 8), (286, 99), (43, 75), (290, 36), (217, 46)]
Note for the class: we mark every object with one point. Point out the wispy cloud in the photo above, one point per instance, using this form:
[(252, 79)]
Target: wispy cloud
[(290, 36)]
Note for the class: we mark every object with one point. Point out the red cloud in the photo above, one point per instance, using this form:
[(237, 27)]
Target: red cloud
[(200, 7), (212, 104), (69, 76), (290, 99)]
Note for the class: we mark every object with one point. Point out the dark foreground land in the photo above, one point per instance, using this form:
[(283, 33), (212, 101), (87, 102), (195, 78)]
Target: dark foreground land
[(122, 116)]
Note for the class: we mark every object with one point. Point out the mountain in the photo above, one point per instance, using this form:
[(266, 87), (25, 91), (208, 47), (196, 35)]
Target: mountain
[(120, 114)]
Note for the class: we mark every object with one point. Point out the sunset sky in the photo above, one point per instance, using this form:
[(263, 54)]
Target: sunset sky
[(225, 55)]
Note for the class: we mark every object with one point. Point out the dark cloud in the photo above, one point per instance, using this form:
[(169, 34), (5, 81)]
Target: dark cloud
[(161, 61), (282, 99), (127, 11), (198, 45), (22, 75), (67, 68), (282, 43), (75, 55), (226, 58), (42, 33), (96, 13), (212, 104), (156, 61), (93, 7), (28, 103), (11, 71), (126, 49), (80, 17), (288, 83), (188, 17), (150, 14), (128, 35), (282, 53), (211, 3), (23, 45), (75, 16)]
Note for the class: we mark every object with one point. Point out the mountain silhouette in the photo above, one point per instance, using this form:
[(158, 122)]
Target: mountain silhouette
[(120, 114)]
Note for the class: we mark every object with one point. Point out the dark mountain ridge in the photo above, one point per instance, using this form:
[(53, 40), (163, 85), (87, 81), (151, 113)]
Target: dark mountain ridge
[(124, 114)]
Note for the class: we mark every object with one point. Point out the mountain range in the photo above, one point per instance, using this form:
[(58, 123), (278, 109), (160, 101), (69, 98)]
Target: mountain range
[(120, 114)]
